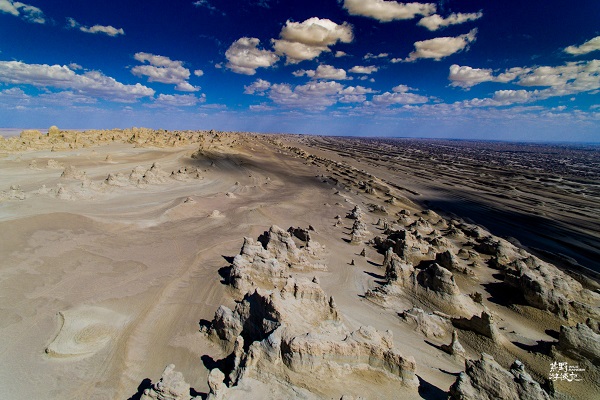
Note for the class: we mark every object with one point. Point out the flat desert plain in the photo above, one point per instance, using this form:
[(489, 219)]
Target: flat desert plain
[(143, 264)]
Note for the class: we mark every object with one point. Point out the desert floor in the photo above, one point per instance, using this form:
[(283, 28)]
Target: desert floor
[(103, 285)]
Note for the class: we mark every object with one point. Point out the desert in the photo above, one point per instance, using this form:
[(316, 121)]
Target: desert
[(151, 264)]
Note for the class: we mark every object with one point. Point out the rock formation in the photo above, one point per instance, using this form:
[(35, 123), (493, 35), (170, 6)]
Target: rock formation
[(483, 325), (454, 348), (296, 333), (580, 341), (171, 386), (485, 379), (428, 324), (546, 287), (359, 232), (268, 260), (356, 213)]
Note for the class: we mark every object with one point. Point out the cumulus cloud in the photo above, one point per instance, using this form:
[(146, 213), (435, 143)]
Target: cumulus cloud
[(259, 87), (565, 80), (466, 77), (107, 30), (313, 96), (244, 56), (386, 11), (90, 83), (440, 47), (571, 78), (435, 22), (198, 72), (400, 95), (25, 11), (358, 69), (324, 72), (340, 53), (178, 100), (355, 94), (164, 70), (306, 40), (587, 47)]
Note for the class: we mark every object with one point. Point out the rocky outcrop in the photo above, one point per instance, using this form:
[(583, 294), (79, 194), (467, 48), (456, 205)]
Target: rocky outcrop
[(406, 245), (546, 287), (438, 280), (268, 260), (485, 379), (454, 348), (448, 260), (216, 385), (428, 324), (294, 334), (483, 325), (356, 213), (580, 341), (359, 232), (171, 386), (397, 271)]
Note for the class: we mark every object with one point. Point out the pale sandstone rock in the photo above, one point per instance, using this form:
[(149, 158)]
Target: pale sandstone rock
[(454, 348), (171, 386), (485, 379), (580, 341), (483, 325)]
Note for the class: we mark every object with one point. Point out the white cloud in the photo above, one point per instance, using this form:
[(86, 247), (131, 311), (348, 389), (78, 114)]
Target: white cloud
[(355, 94), (313, 96), (107, 30), (435, 22), (244, 56), (156, 60), (565, 80), (340, 53), (161, 74), (306, 40), (25, 11), (178, 100), (261, 107), (91, 83), (259, 87), (371, 55), (198, 72), (164, 70), (324, 72), (316, 32), (388, 98), (438, 48), (401, 89), (571, 78), (587, 47), (465, 76), (386, 11), (206, 4), (357, 69), (186, 87)]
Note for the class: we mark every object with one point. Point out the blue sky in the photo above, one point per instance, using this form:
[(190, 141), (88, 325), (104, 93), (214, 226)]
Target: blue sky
[(501, 70)]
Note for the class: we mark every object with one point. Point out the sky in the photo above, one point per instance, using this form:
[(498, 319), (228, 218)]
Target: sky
[(465, 69)]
